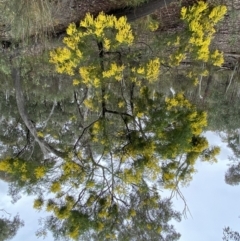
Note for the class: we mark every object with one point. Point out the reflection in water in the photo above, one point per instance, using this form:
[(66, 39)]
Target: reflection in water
[(96, 153)]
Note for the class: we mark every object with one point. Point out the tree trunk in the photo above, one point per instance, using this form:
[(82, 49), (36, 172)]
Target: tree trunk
[(143, 10), (45, 147)]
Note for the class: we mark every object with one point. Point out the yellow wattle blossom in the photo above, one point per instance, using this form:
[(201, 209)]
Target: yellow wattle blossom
[(217, 58), (70, 168), (106, 43), (201, 20), (153, 69), (132, 212), (5, 165), (74, 233), (183, 12), (71, 29), (177, 41), (140, 70), (217, 13), (196, 81), (89, 103), (38, 203), (149, 226), (115, 70), (39, 172), (40, 134), (90, 184), (85, 74), (121, 104), (153, 25), (140, 114), (76, 82), (50, 206), (88, 21), (55, 187), (60, 55), (100, 226), (159, 229)]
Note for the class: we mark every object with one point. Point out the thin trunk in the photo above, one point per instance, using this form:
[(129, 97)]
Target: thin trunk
[(143, 10), (45, 147)]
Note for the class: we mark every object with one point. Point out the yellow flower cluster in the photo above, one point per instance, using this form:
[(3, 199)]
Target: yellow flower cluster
[(217, 58), (62, 58), (103, 214), (110, 236), (73, 39), (38, 203), (62, 212), (153, 25), (90, 184), (6, 166), (71, 29), (168, 176), (132, 177), (76, 82), (132, 213), (153, 69), (16, 167), (200, 145), (124, 34), (89, 103), (40, 134), (40, 172), (177, 58), (55, 187), (115, 71), (70, 168), (177, 101), (103, 22), (100, 226), (96, 128), (201, 21), (50, 206), (121, 104), (89, 78), (112, 32), (217, 13), (74, 233), (198, 120), (199, 123)]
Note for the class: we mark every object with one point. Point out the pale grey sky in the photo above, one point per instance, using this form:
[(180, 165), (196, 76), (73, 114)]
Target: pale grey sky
[(212, 203)]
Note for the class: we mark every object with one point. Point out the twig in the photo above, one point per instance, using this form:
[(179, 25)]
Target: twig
[(230, 81)]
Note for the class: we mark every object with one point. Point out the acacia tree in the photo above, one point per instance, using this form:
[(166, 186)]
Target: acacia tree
[(232, 176), (230, 235), (132, 140), (9, 228)]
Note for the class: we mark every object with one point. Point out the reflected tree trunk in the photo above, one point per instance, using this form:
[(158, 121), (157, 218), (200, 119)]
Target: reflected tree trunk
[(45, 147)]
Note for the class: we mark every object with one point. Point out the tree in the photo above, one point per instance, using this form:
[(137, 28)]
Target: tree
[(9, 228), (232, 176), (131, 140), (230, 235)]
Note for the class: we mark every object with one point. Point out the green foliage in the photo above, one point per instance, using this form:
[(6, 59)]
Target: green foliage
[(200, 20), (230, 235), (232, 176), (9, 228), (122, 139)]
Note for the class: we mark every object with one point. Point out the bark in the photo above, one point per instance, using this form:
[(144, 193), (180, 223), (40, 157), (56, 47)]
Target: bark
[(45, 147)]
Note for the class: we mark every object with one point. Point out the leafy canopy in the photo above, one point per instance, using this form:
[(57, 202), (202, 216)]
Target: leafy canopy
[(132, 140)]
